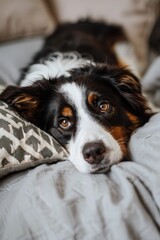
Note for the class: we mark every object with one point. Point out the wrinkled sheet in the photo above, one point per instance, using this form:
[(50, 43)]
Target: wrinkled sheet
[(56, 202)]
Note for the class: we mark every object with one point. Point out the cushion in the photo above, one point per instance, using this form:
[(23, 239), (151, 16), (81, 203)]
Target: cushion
[(21, 18), (23, 145)]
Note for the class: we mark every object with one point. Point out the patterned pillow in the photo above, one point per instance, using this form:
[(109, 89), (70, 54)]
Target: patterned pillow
[(23, 145)]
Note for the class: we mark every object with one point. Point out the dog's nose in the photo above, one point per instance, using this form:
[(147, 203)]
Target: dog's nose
[(93, 152)]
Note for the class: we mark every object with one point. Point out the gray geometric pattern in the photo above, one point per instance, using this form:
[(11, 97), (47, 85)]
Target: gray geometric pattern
[(23, 145)]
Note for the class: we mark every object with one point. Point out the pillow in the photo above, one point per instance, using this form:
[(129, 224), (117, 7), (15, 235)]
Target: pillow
[(21, 18), (23, 145)]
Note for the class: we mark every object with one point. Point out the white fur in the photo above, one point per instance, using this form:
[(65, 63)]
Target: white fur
[(88, 130), (56, 65)]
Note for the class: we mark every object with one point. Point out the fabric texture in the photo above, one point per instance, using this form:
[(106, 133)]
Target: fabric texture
[(16, 55), (57, 202), (21, 18), (151, 82), (22, 145)]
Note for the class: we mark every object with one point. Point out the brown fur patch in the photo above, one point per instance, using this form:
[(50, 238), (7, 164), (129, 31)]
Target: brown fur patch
[(67, 112), (134, 119), (91, 98), (119, 135), (27, 106), (24, 99)]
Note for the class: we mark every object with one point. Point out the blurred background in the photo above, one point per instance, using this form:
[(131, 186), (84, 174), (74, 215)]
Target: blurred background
[(25, 23)]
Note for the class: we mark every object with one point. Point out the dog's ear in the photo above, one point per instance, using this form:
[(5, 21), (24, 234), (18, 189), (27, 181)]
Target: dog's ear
[(27, 101), (129, 87)]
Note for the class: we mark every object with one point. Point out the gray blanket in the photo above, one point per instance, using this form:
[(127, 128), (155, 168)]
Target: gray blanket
[(151, 82), (56, 202)]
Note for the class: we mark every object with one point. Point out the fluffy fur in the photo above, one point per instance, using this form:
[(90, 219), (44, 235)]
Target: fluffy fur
[(85, 99)]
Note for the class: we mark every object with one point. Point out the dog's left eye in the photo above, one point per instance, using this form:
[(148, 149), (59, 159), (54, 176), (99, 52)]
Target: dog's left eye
[(104, 106), (64, 123)]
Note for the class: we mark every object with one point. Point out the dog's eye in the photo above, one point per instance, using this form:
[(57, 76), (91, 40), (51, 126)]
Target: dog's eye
[(104, 106), (64, 123)]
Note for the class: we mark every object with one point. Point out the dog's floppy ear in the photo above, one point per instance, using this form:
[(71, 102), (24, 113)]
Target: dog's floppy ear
[(128, 85), (27, 101)]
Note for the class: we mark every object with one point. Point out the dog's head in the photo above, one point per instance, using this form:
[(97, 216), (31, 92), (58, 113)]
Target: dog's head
[(92, 113)]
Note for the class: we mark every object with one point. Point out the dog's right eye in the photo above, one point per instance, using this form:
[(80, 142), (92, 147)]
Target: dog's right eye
[(65, 123)]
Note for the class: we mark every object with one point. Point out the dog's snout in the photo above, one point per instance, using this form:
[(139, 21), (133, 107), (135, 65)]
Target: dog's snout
[(93, 152)]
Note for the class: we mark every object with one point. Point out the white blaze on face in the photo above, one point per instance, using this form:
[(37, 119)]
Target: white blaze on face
[(87, 130)]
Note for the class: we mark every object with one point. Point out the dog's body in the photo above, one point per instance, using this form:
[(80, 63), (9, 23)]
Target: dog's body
[(81, 95)]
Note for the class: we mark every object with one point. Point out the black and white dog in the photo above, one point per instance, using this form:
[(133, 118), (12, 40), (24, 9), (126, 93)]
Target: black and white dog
[(77, 90)]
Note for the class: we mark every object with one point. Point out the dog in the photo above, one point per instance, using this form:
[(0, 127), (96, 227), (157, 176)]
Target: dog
[(77, 90)]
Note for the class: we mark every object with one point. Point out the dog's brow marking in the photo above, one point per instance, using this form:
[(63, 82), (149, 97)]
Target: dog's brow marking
[(92, 97), (67, 112)]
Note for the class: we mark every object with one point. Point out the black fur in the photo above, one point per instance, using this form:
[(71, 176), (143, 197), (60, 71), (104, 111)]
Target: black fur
[(93, 40)]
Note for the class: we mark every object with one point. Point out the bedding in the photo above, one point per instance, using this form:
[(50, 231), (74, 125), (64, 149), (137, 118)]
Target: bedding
[(151, 82), (55, 201)]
